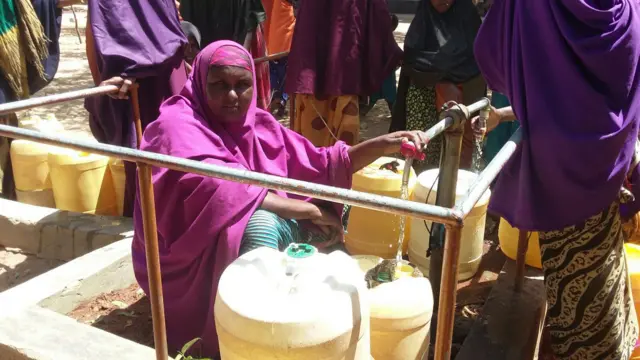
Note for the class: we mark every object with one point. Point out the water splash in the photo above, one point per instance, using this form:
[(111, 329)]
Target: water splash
[(404, 195), (477, 164)]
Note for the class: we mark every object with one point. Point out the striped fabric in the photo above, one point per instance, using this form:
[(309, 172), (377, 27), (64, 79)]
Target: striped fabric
[(268, 229)]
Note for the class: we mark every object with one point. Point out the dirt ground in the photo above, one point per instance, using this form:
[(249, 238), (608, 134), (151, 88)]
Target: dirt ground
[(17, 267), (125, 312)]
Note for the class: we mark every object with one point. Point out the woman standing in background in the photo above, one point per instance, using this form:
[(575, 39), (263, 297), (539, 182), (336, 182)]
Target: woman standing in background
[(278, 28), (115, 44), (439, 66), (241, 21), (341, 49), (565, 180)]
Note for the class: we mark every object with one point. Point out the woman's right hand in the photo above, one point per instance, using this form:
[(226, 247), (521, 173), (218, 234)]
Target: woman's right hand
[(494, 119), (123, 83), (328, 222)]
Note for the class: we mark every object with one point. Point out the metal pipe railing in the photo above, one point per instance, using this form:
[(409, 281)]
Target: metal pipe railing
[(439, 128), (323, 192), (11, 107), (484, 180)]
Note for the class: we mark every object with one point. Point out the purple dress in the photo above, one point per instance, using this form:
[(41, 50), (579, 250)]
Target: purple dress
[(141, 39), (570, 71)]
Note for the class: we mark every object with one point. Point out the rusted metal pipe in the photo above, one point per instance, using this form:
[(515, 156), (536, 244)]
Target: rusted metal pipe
[(135, 105), (370, 201), (478, 105), (276, 56), (153, 260), (12, 107), (447, 298), (489, 174), (523, 246), (438, 128)]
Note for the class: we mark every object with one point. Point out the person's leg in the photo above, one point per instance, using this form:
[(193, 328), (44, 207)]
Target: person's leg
[(590, 312), (268, 229)]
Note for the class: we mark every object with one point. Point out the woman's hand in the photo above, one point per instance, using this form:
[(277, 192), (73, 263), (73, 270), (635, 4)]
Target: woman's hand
[(123, 84), (496, 116), (396, 139), (328, 222), (368, 151)]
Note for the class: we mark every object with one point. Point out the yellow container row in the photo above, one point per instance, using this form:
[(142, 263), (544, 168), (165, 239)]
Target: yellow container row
[(67, 180)]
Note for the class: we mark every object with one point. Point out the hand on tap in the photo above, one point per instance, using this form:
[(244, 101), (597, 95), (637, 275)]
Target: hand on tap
[(496, 116)]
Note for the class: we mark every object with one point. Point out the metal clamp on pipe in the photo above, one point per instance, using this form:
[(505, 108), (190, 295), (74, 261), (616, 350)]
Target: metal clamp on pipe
[(458, 113)]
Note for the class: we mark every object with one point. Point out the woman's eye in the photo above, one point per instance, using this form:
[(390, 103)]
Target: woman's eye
[(217, 85)]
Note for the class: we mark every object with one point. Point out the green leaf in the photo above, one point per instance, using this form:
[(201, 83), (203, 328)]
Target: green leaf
[(188, 345), (179, 357)]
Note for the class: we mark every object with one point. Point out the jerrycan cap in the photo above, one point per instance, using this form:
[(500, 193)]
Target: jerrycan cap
[(296, 257), (300, 251)]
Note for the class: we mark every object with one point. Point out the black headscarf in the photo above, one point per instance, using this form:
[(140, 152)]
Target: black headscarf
[(442, 43), (438, 48), (191, 31), (223, 19)]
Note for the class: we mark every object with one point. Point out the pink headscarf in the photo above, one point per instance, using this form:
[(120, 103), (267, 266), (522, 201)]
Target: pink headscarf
[(201, 220)]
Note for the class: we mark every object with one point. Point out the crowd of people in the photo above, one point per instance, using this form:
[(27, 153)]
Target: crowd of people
[(569, 67)]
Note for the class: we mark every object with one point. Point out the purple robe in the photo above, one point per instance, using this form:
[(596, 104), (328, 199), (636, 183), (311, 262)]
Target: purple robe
[(570, 71), (341, 47), (141, 39)]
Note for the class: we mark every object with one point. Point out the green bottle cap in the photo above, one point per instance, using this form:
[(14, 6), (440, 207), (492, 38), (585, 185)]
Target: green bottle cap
[(300, 251)]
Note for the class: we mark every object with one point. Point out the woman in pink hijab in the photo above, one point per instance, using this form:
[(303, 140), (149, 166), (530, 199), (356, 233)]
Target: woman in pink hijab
[(205, 223)]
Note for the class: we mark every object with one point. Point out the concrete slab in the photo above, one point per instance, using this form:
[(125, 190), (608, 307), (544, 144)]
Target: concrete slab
[(40, 334), (32, 321), (56, 234), (105, 269)]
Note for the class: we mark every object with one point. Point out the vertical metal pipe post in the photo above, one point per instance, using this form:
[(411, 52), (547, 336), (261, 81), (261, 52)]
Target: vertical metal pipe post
[(447, 308), (153, 260), (446, 197), (151, 250), (135, 104), (523, 246)]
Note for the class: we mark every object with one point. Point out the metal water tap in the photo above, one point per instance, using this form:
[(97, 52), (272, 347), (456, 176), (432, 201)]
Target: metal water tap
[(484, 114)]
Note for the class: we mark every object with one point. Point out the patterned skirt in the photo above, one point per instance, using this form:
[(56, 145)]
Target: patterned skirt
[(590, 312), (323, 121)]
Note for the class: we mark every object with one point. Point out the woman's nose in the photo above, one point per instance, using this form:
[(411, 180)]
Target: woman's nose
[(232, 95)]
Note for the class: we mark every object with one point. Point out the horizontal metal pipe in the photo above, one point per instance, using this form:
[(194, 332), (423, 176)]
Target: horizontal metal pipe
[(11, 107), (271, 57), (439, 128), (489, 174), (329, 193), (477, 106)]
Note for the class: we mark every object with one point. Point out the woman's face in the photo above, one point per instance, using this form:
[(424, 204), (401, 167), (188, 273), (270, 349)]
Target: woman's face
[(191, 50), (229, 92), (442, 6)]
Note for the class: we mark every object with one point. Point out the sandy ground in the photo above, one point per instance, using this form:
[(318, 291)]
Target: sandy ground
[(73, 74)]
